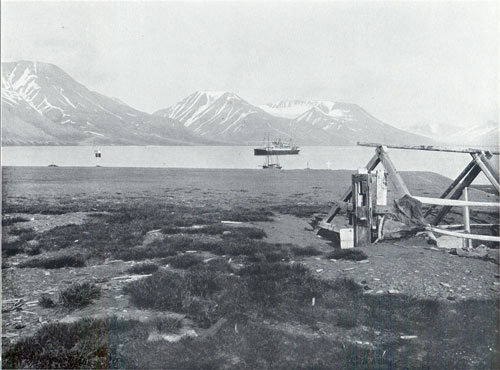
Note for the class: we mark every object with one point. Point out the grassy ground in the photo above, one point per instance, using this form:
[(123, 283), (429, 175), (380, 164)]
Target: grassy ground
[(222, 295)]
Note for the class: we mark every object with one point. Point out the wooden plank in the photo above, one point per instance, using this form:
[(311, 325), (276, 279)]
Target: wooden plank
[(460, 226), (453, 184), (491, 168), (478, 158), (455, 202), (488, 238), (466, 217), (362, 209), (429, 148), (370, 166), (458, 192), (394, 176), (381, 185)]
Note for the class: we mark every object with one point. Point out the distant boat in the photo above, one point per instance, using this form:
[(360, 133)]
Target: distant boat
[(275, 166), (53, 165), (273, 150), (277, 147)]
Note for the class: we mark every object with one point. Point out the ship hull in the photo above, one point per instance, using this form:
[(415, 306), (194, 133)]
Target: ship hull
[(275, 151)]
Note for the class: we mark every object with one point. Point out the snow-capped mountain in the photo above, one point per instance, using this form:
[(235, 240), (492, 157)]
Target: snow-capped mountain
[(336, 123), (226, 116), (479, 135), (41, 104), (289, 108)]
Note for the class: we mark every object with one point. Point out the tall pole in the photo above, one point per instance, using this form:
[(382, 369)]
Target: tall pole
[(466, 218)]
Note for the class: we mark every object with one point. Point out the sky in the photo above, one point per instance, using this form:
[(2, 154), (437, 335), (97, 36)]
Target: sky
[(407, 63)]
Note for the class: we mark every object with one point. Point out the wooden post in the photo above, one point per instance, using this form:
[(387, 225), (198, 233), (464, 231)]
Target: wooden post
[(395, 177), (466, 218), (381, 199), (361, 203), (453, 185), (371, 165), (457, 193)]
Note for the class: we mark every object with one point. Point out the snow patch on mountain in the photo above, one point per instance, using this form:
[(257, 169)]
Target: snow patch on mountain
[(43, 104), (294, 108), (482, 134)]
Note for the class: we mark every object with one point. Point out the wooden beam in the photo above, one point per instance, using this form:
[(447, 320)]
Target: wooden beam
[(466, 217), (487, 163), (429, 148), (461, 226), (370, 166), (455, 202), (458, 192), (394, 176), (453, 184), (488, 238), (480, 160)]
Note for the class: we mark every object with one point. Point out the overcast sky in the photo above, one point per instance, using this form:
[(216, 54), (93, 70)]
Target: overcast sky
[(406, 63)]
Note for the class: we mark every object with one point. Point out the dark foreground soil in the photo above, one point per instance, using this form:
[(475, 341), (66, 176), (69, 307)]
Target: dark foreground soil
[(410, 305)]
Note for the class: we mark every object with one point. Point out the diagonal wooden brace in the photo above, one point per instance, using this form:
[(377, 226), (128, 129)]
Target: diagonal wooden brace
[(453, 185), (394, 176), (458, 192), (490, 171)]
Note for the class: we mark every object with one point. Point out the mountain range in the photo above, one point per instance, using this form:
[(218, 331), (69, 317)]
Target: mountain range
[(228, 117), (43, 105), (479, 135)]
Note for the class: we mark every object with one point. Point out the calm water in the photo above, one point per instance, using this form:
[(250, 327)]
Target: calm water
[(314, 157)]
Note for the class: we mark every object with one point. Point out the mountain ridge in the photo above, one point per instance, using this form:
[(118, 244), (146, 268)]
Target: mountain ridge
[(228, 117), (43, 105), (481, 134)]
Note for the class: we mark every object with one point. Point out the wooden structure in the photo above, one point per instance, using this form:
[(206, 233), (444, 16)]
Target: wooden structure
[(369, 199)]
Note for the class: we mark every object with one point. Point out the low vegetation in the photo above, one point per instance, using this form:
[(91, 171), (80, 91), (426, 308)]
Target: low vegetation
[(55, 262), (34, 251), (250, 306), (218, 229), (208, 292), (302, 210), (79, 295), (12, 220), (306, 251), (143, 268), (46, 301), (270, 322), (166, 325), (10, 249), (183, 261), (347, 254), (121, 231), (89, 344)]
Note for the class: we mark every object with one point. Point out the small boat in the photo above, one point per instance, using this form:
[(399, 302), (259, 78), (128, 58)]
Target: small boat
[(271, 163), (275, 166), (53, 165), (277, 147)]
